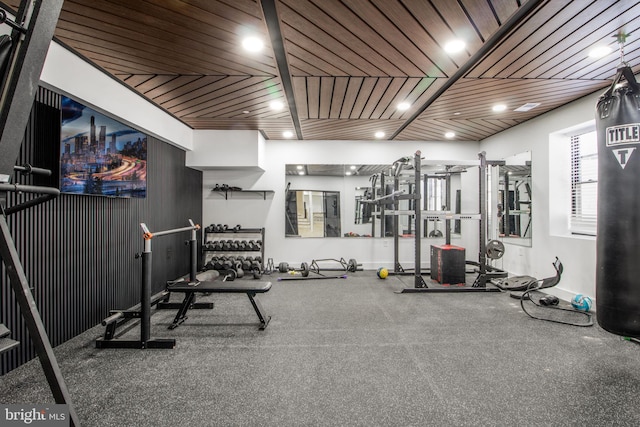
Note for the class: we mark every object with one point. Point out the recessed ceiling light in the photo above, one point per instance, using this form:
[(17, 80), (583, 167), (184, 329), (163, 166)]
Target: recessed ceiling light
[(449, 135), (454, 46), (300, 167), (287, 134), (599, 52), (499, 107), (403, 106), (246, 112), (379, 134), (353, 168), (301, 173), (252, 44), (347, 173), (276, 105), (456, 113)]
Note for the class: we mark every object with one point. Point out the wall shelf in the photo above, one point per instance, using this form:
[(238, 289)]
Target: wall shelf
[(226, 193)]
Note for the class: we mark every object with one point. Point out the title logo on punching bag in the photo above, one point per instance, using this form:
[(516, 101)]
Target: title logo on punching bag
[(623, 135)]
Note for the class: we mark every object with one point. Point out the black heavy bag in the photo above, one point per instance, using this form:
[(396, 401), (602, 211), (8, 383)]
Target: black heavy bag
[(618, 241)]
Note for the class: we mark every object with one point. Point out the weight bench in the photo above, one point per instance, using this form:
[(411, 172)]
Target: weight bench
[(189, 289)]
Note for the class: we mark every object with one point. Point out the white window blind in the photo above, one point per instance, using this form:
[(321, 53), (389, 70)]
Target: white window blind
[(584, 183)]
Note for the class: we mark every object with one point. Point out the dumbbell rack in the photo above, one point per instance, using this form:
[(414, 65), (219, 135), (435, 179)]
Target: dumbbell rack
[(229, 243)]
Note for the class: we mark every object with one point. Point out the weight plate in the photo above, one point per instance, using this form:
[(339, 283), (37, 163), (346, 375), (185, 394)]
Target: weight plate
[(495, 249)]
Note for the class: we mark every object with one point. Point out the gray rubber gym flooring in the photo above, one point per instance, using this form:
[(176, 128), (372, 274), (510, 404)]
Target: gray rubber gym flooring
[(350, 352)]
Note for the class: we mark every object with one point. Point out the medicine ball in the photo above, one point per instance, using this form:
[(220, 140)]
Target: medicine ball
[(382, 273), (581, 302)]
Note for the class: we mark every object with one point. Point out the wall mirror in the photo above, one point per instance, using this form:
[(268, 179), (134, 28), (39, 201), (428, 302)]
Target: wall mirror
[(344, 194), (312, 213), (512, 201)]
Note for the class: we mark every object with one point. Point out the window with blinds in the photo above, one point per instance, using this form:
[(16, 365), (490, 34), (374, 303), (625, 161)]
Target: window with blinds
[(584, 183)]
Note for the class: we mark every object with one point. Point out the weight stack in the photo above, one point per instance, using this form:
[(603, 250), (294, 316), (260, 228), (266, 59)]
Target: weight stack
[(618, 236)]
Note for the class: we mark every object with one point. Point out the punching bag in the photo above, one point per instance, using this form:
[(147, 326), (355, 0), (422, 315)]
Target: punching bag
[(618, 237)]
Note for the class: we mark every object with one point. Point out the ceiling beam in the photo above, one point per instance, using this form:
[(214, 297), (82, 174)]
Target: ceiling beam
[(277, 43), (520, 15)]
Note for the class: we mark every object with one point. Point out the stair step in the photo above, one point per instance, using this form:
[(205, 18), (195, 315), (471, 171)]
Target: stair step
[(7, 344), (4, 331)]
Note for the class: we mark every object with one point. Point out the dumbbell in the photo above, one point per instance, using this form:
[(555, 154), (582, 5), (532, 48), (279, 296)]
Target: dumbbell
[(210, 228), (258, 245), (237, 228), (235, 245), (210, 265), (242, 245), (283, 267), (226, 246)]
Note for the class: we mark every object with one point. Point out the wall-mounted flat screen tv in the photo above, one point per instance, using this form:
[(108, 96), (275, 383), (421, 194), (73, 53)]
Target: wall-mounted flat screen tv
[(99, 155)]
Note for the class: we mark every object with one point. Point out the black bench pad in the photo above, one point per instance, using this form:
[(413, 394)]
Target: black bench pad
[(189, 289), (236, 286)]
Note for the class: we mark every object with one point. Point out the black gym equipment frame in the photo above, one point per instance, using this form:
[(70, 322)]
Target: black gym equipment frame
[(24, 297), (32, 32), (485, 272), (144, 313)]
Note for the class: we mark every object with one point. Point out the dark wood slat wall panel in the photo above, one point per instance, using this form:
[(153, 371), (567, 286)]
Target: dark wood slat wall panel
[(178, 33), (198, 87), (514, 47), (459, 22), (577, 64), (331, 28), (346, 58), (558, 41), (176, 83), (482, 16), (504, 8), (411, 60), (346, 129), (78, 251)]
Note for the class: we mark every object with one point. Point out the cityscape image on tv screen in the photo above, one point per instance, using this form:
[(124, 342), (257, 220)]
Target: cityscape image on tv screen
[(99, 155)]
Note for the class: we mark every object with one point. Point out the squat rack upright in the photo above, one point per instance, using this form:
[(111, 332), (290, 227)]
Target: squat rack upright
[(485, 272)]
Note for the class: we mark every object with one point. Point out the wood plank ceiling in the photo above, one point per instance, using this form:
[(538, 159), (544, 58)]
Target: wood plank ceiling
[(341, 67)]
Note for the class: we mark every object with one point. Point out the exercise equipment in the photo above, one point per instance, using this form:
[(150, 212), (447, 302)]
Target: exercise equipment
[(617, 243), (581, 302), (350, 266), (190, 289), (549, 300), (341, 276), (283, 267), (22, 56), (495, 249), (517, 285), (552, 312), (206, 282), (486, 272), (382, 273), (143, 311)]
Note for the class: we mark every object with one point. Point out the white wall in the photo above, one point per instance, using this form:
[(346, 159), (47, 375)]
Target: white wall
[(250, 210), (578, 254), (70, 75)]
